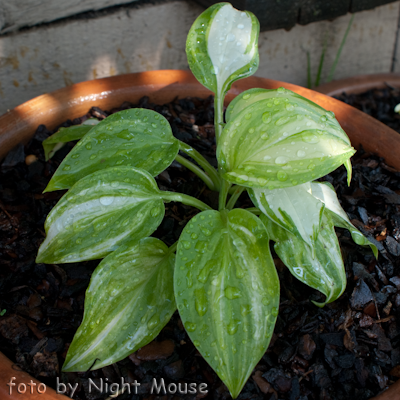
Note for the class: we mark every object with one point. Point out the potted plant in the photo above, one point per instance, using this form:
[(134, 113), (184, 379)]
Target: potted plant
[(234, 226)]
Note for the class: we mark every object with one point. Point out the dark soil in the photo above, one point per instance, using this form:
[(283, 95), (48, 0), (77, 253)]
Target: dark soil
[(379, 103), (348, 350)]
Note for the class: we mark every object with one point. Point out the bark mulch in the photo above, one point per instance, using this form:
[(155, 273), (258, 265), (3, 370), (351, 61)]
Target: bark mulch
[(348, 350)]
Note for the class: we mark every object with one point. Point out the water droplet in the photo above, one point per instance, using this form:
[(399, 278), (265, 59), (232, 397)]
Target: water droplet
[(88, 146), (310, 139), (274, 311), (266, 117), (330, 114), (155, 211), (232, 292), (282, 176), (200, 301), (201, 246), (282, 120), (244, 309), (75, 155), (265, 301), (251, 130), (248, 116), (67, 168), (193, 235), (233, 326), (196, 343), (281, 160), (266, 158), (262, 181), (190, 326), (240, 26), (206, 231), (301, 153), (323, 118), (281, 90), (264, 135), (231, 37), (106, 200), (311, 166), (289, 107), (153, 322), (246, 96), (186, 245), (93, 156)]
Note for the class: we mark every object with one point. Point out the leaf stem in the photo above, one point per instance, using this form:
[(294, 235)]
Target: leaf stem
[(185, 199), (172, 248), (198, 171), (223, 194), (218, 115), (208, 168), (236, 194), (254, 210)]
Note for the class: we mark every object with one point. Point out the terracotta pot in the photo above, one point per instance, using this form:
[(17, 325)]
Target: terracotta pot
[(359, 84), (19, 125)]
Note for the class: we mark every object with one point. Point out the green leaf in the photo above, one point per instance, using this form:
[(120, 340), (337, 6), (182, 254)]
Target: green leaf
[(123, 311), (294, 209), (222, 46), (280, 141), (136, 137), (227, 291), (64, 135), (326, 193), (324, 271), (99, 213)]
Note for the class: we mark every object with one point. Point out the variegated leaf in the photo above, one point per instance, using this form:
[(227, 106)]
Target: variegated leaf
[(123, 311), (222, 46), (136, 137), (99, 213), (227, 291)]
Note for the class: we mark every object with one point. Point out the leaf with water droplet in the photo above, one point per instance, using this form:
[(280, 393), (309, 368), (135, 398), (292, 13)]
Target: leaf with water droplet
[(275, 148), (102, 210), (325, 192), (323, 270), (121, 291), (126, 137), (294, 209), (231, 275), (64, 135), (222, 46)]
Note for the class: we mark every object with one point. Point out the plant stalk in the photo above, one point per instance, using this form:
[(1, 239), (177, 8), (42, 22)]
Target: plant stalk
[(208, 168), (185, 199), (236, 194), (254, 210), (223, 194), (198, 171), (218, 115)]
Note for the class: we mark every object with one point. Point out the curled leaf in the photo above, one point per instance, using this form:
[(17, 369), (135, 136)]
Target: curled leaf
[(280, 140), (64, 135), (222, 46), (323, 270)]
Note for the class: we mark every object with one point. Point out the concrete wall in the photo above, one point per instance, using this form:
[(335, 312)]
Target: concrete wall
[(150, 36)]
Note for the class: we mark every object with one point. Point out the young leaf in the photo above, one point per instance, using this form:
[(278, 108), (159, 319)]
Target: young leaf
[(64, 135), (323, 271), (99, 213), (222, 46), (294, 209), (326, 193), (280, 141), (227, 291), (123, 312), (136, 137)]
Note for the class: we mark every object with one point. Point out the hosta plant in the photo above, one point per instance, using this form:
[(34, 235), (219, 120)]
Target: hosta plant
[(220, 275)]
